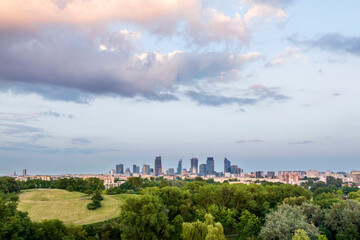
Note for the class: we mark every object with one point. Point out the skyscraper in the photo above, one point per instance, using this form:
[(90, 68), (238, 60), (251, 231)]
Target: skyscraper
[(227, 166), (202, 170), (158, 166), (194, 165), (146, 169), (210, 166), (24, 172), (136, 169), (120, 169), (179, 168)]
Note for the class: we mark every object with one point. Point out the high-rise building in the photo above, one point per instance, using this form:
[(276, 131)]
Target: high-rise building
[(227, 165), (146, 169), (235, 170), (270, 174), (158, 166), (120, 169), (170, 172), (210, 166), (202, 170), (24, 172), (136, 169), (259, 174), (112, 172), (179, 167), (194, 165)]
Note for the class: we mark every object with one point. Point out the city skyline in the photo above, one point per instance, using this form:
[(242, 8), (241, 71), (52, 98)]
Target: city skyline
[(272, 85)]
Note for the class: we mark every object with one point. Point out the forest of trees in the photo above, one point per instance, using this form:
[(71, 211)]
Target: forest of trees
[(199, 209)]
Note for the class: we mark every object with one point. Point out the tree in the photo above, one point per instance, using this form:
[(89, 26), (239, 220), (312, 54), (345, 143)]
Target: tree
[(249, 225), (51, 230), (13, 223), (207, 230), (135, 183), (300, 234), (343, 215), (97, 196), (144, 217), (282, 223)]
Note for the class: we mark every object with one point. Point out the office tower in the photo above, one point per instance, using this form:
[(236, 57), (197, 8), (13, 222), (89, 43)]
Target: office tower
[(210, 166), (136, 169), (270, 174), (24, 172), (120, 169), (179, 167), (127, 171), (236, 170), (202, 170), (227, 166), (194, 165), (112, 172), (259, 174), (170, 172), (146, 169), (158, 166)]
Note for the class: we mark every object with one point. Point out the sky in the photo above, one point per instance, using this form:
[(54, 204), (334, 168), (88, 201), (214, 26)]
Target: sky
[(268, 84)]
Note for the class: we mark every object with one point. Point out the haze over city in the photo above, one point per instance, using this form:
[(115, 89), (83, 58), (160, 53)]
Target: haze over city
[(268, 84)]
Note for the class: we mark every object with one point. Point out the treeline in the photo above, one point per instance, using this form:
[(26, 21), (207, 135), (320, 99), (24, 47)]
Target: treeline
[(201, 209), (88, 185)]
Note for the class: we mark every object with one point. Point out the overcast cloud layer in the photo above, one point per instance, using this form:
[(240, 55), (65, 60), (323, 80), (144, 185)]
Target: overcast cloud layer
[(256, 81)]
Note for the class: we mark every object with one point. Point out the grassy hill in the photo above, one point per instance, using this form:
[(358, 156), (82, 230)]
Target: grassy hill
[(69, 207)]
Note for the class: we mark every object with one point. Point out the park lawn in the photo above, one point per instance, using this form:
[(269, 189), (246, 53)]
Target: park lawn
[(70, 207)]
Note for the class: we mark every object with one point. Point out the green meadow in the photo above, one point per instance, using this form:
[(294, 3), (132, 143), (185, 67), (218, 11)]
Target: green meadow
[(70, 207)]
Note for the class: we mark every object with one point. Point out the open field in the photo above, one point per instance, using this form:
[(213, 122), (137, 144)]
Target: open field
[(69, 207)]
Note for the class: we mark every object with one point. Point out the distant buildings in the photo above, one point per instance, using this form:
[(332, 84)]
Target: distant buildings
[(24, 172), (170, 172), (259, 174), (158, 166), (194, 165), (179, 167), (210, 166), (112, 171), (120, 169), (136, 169), (227, 166), (146, 169), (270, 174), (202, 170)]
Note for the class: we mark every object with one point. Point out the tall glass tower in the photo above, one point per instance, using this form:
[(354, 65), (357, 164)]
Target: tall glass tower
[(158, 166)]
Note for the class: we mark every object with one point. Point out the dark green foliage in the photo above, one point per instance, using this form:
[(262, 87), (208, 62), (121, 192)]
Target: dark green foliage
[(95, 204), (8, 185), (249, 225), (144, 218), (13, 223), (70, 184), (50, 230), (97, 197)]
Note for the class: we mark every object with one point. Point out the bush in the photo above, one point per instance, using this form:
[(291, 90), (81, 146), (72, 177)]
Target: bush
[(94, 205)]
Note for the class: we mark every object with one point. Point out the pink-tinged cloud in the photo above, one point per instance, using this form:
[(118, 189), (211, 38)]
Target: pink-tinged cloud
[(188, 18)]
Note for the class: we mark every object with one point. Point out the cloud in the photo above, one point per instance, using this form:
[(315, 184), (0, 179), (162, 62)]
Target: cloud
[(14, 129), (332, 42), (80, 141), (249, 141), (290, 52), (255, 94), (275, 3), (32, 65), (216, 100), (58, 115), (301, 142)]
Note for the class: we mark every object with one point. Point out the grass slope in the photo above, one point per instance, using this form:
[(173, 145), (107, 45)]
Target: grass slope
[(69, 207)]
